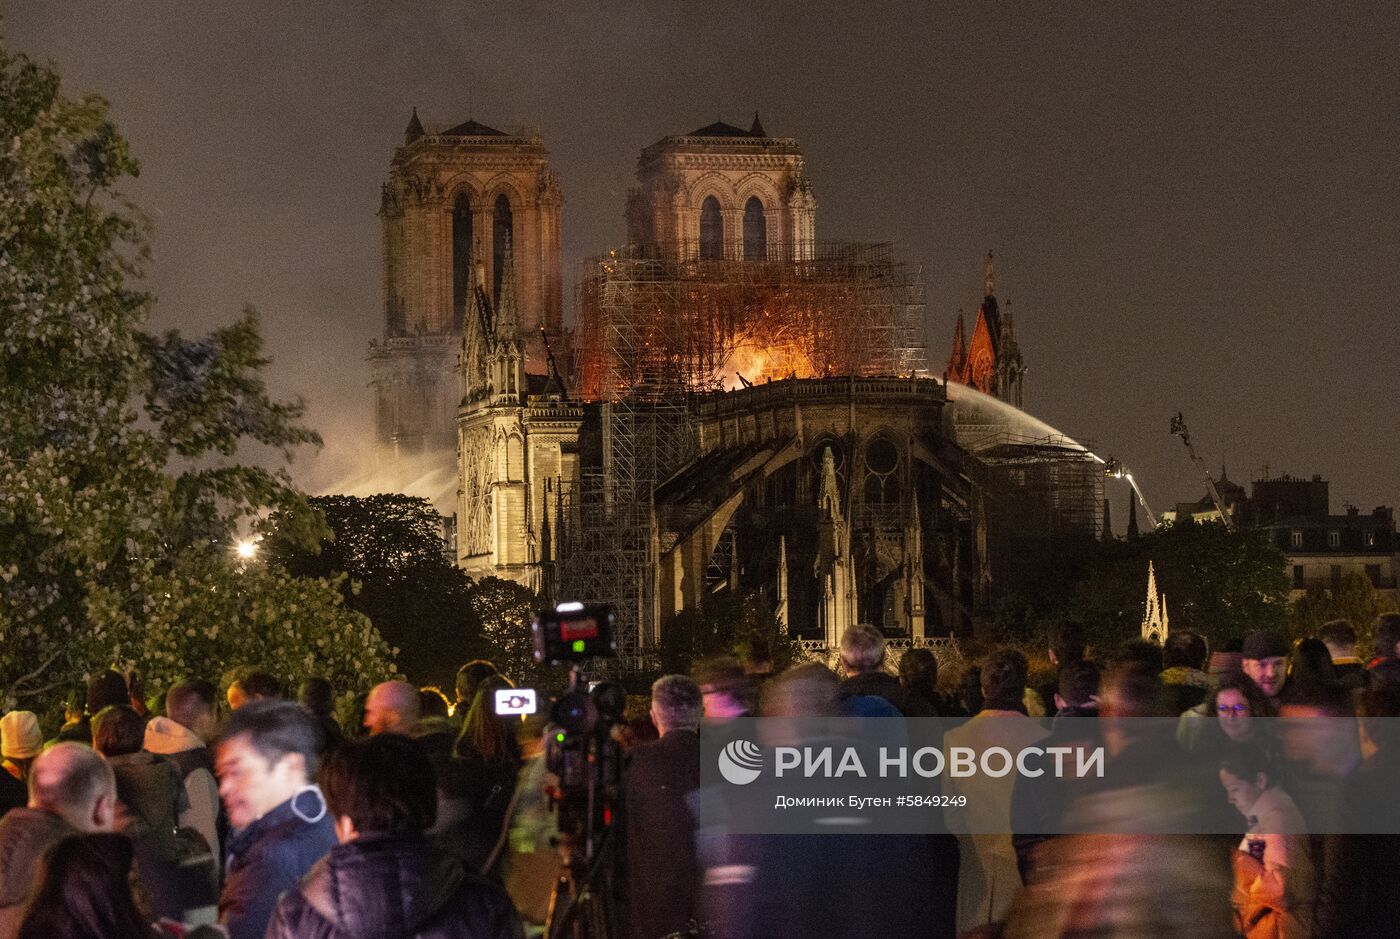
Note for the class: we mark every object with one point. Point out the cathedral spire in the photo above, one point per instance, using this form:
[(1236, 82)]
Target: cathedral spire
[(1132, 518), (957, 361), (990, 276), (507, 308), (414, 130), (756, 129), (1107, 521)]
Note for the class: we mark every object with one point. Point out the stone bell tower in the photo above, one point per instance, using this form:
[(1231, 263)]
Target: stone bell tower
[(457, 198)]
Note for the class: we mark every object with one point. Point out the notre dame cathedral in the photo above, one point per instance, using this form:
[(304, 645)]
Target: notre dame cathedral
[(737, 406)]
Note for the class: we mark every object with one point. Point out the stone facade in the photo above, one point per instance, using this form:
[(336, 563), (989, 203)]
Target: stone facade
[(722, 193), (455, 199)]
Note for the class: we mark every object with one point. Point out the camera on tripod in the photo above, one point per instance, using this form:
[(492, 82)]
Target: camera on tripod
[(587, 762)]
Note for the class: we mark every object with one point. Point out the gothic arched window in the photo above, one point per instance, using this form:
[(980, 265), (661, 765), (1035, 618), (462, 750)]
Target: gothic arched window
[(755, 230), (711, 230), (502, 233), (461, 255)]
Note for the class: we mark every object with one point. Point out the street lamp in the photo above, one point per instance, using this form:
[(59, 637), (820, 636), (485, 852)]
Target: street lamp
[(246, 549)]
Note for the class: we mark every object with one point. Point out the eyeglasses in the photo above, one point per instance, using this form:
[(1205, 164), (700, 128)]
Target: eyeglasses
[(1232, 708)]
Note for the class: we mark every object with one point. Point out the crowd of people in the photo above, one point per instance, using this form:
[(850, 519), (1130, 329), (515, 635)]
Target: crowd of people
[(249, 813)]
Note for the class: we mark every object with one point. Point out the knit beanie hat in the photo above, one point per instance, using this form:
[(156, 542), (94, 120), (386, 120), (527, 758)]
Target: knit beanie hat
[(20, 738)]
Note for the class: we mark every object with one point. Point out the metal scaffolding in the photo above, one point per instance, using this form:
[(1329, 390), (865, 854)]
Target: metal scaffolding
[(655, 331)]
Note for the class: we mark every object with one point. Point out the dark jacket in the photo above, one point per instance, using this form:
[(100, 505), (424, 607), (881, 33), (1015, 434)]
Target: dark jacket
[(1356, 883), (14, 793), (391, 887), (26, 835), (268, 858), (662, 873), (875, 684)]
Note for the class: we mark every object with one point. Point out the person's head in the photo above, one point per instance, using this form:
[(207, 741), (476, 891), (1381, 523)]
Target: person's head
[(268, 753), (806, 690), (85, 892), (1265, 661), (676, 704), (117, 731), (1340, 638), (1131, 688), (1078, 685), (1385, 636), (75, 783), (470, 677), (1246, 772), (107, 690), (862, 649), (1235, 703), (1184, 648), (380, 785), (1068, 643), (391, 708), (20, 737), (1311, 665), (193, 704), (725, 687), (918, 672), (317, 696), (432, 703), (1004, 680), (1140, 652), (253, 686)]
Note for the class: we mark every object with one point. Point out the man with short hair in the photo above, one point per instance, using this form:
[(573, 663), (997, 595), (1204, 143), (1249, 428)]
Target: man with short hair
[(1340, 638), (266, 761), (71, 791), (393, 707), (1264, 659), (663, 874), (863, 659), (385, 879), (253, 686), (183, 738)]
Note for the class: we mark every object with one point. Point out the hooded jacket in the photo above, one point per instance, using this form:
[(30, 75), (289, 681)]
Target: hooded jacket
[(393, 887), (165, 737)]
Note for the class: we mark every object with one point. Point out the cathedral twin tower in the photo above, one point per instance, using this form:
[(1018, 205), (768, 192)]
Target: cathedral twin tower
[(474, 358)]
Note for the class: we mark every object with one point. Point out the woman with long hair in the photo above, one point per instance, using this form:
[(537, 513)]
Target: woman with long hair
[(86, 894), (487, 758)]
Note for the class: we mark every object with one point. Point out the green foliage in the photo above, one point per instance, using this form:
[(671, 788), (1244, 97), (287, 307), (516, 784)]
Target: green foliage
[(1352, 598), (1222, 584), (728, 624), (502, 611), (119, 494), (387, 552)]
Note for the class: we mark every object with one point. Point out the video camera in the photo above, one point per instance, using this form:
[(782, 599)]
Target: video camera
[(573, 632)]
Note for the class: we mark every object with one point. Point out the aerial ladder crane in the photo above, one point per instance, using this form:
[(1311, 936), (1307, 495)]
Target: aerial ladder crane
[(1178, 427)]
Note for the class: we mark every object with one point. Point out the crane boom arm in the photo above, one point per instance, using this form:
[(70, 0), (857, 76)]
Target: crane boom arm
[(1178, 427)]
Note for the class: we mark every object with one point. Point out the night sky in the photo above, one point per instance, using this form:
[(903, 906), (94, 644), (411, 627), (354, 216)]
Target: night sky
[(1194, 209)]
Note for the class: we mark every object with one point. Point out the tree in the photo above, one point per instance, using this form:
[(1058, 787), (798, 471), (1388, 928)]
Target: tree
[(729, 624), (120, 492), (387, 552), (1353, 597), (1222, 584), (503, 611)]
